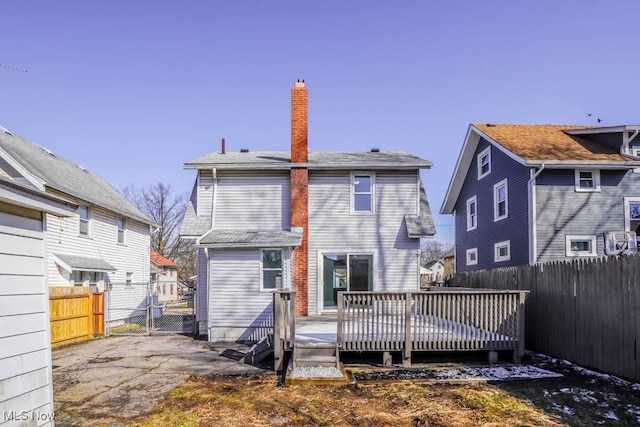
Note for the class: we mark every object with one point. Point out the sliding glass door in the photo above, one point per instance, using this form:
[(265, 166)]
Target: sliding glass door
[(345, 272)]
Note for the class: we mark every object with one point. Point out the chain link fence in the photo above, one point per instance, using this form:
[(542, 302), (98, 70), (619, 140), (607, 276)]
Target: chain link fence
[(134, 309)]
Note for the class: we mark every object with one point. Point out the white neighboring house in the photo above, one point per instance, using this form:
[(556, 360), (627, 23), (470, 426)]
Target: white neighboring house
[(432, 273), (164, 276), (107, 240), (317, 222), (26, 391)]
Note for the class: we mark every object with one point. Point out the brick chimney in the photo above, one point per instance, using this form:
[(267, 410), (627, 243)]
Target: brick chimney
[(300, 194)]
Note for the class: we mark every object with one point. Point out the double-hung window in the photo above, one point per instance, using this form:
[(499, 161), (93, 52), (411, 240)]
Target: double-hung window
[(84, 213), (271, 266), (472, 213), (500, 201), (587, 180), (121, 223), (484, 163), (362, 193)]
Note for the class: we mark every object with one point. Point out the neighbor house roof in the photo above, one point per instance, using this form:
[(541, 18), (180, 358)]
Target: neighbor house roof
[(317, 160), (161, 261), (250, 239), (554, 146), (50, 170)]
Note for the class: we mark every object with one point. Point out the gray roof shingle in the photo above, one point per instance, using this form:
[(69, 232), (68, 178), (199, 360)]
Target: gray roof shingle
[(85, 263), (67, 177), (250, 239), (317, 160), (193, 225)]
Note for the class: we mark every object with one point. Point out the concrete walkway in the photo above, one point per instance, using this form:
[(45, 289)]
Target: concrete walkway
[(107, 381)]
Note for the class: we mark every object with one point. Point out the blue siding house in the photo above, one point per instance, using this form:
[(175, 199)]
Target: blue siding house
[(524, 194)]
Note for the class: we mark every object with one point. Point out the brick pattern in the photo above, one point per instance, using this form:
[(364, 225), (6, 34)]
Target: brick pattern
[(299, 124), (300, 195)]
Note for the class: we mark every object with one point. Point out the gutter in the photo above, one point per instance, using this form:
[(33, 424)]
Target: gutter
[(533, 241)]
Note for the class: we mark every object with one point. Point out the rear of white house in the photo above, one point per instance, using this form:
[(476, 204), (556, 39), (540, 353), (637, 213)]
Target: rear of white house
[(315, 222)]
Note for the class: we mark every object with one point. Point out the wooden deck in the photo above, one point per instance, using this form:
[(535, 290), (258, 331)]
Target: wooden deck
[(442, 319)]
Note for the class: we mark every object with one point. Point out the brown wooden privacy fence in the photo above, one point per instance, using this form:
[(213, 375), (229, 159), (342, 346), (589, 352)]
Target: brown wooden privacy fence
[(284, 325), (75, 314), (585, 311), (437, 320)]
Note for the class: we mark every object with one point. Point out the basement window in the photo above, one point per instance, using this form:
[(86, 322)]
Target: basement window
[(502, 251), (472, 256), (581, 245)]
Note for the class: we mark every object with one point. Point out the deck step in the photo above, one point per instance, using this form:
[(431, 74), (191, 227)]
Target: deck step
[(259, 351), (315, 353)]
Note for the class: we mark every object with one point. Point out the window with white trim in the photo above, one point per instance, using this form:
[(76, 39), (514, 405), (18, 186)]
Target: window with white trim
[(472, 213), (500, 201), (472, 256), (85, 217), (502, 251), (271, 269), (484, 163), (362, 192), (587, 180), (581, 245), (121, 223), (129, 279)]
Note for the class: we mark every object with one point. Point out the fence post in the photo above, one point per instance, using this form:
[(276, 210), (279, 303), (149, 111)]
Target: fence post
[(519, 352), (406, 353)]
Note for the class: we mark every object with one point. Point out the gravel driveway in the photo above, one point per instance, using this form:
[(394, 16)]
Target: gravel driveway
[(107, 381)]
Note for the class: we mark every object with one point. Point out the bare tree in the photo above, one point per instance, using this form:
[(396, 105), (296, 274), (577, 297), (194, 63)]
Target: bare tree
[(432, 250), (166, 210)]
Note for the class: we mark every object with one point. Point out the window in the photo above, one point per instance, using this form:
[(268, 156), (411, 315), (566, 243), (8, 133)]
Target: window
[(271, 269), (472, 213), (129, 279), (121, 223), (484, 163), (502, 251), (632, 215), (362, 191), (472, 256), (500, 201), (581, 245), (587, 180), (83, 212)]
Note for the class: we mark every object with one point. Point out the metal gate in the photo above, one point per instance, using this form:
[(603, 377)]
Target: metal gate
[(134, 309)]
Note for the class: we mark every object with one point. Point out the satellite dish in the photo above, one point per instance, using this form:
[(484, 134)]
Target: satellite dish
[(620, 243)]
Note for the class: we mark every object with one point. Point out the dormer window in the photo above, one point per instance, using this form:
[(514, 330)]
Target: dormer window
[(587, 180), (484, 163)]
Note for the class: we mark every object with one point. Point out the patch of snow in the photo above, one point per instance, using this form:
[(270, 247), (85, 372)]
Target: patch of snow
[(610, 415)]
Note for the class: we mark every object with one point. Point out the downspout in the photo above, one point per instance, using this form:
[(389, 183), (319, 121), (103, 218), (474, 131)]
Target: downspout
[(533, 240)]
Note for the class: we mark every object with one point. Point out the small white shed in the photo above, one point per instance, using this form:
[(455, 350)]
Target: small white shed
[(26, 390)]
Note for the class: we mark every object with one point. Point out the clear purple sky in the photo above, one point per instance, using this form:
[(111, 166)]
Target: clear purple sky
[(132, 89)]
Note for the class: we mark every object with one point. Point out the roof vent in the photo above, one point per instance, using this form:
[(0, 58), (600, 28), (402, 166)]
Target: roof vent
[(81, 168), (375, 150), (244, 150), (49, 152), (491, 125), (5, 130)]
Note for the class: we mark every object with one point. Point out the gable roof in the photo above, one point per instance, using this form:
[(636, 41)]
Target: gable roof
[(317, 160), (47, 169), (554, 146), (160, 261)]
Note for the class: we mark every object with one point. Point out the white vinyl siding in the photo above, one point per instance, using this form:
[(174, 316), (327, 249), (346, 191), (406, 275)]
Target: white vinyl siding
[(25, 357), (332, 229), (256, 201), (237, 308), (204, 201)]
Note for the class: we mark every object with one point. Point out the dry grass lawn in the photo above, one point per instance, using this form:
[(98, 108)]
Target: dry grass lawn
[(256, 401)]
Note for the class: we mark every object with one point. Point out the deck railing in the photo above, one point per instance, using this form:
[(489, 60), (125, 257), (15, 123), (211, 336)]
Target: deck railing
[(284, 325), (436, 320)]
